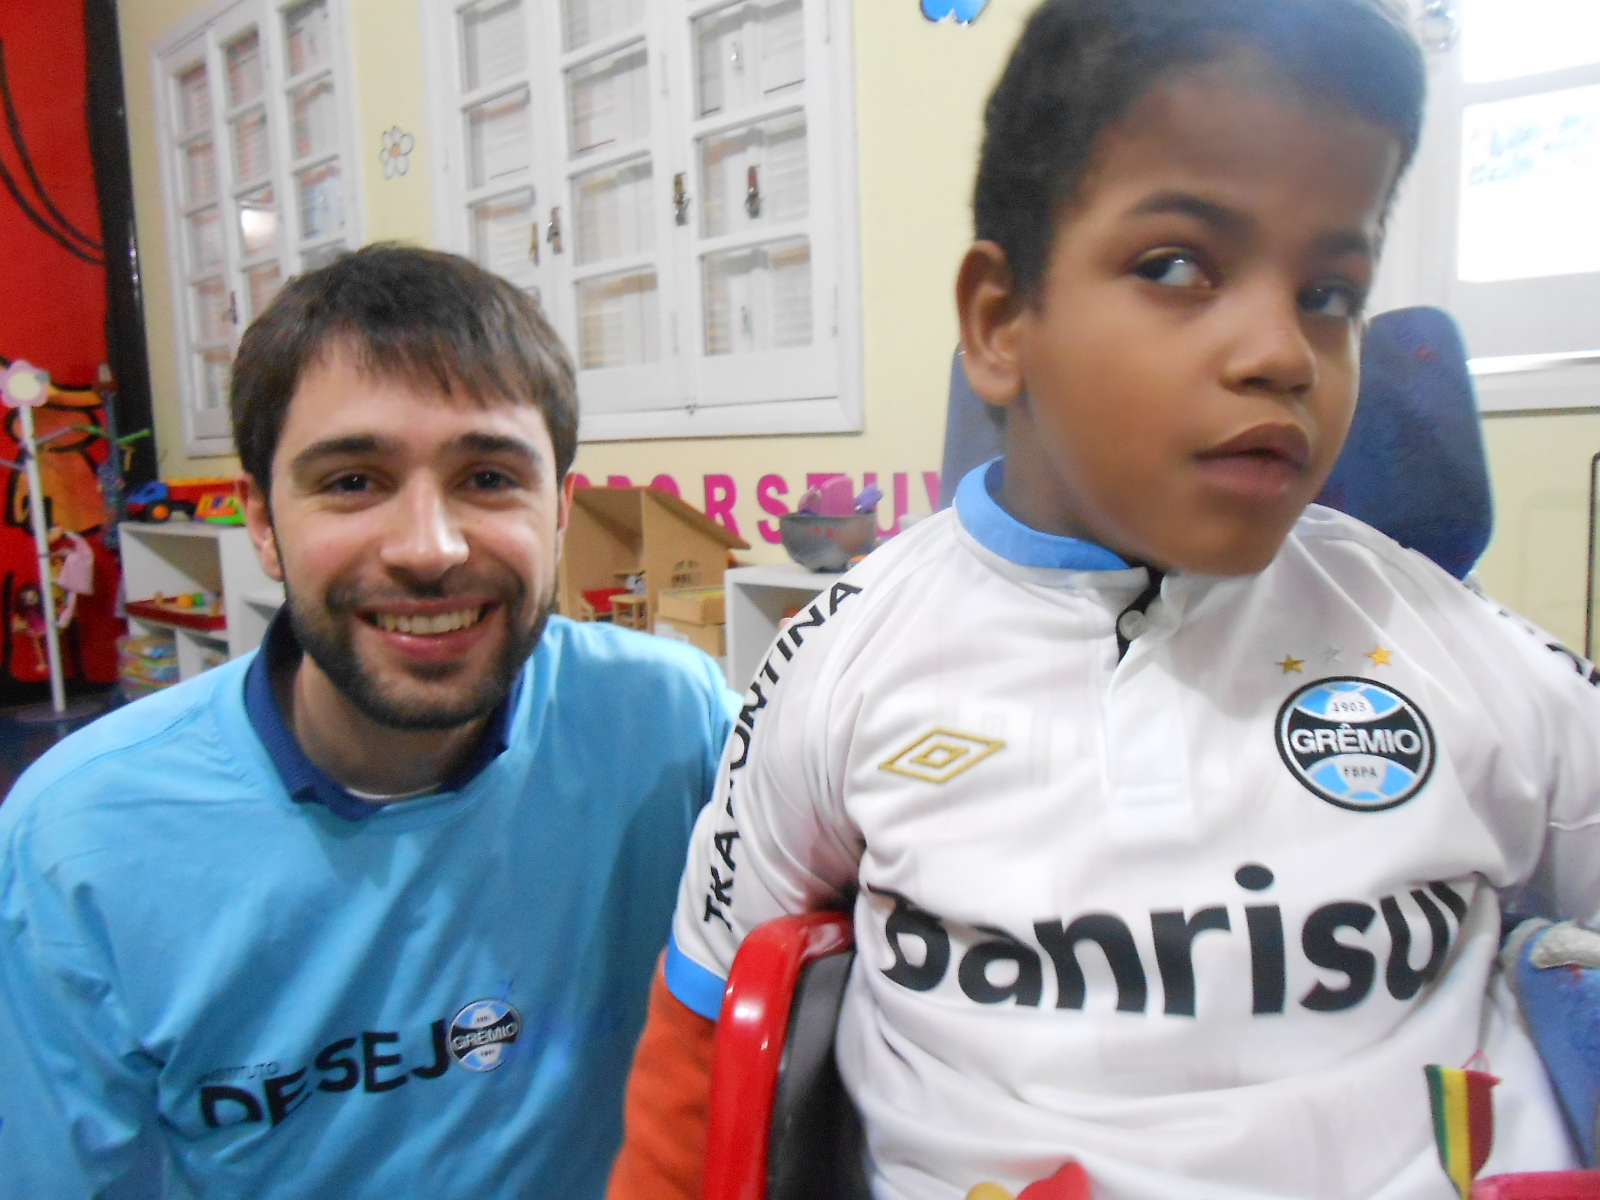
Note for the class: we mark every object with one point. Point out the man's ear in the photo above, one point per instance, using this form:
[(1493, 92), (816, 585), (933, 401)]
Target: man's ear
[(258, 520), (564, 509), (992, 314), (568, 486)]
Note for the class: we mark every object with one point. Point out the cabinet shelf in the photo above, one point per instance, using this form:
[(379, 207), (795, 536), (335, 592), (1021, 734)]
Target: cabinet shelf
[(167, 614), (181, 558)]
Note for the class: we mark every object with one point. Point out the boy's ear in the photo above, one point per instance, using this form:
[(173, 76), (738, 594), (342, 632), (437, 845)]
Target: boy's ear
[(991, 313)]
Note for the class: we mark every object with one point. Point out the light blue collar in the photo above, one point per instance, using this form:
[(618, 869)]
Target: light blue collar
[(978, 507)]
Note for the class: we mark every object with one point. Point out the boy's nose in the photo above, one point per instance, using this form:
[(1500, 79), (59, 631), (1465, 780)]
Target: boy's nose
[(425, 538), (1271, 352)]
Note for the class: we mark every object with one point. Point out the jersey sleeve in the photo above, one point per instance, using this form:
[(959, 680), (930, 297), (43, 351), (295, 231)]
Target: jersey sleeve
[(77, 1094), (1567, 707), (775, 838)]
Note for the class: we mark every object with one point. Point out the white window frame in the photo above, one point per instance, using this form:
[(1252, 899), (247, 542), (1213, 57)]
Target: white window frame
[(686, 392), (1420, 259), (202, 40)]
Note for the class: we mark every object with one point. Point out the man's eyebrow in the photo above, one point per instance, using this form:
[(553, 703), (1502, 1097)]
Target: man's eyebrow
[(499, 443), (1335, 245), (338, 447)]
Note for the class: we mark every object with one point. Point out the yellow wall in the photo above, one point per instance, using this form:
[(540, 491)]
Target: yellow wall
[(1538, 560), (919, 90)]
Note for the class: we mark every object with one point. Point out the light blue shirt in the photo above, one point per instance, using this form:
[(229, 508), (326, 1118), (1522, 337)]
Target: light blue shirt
[(207, 988)]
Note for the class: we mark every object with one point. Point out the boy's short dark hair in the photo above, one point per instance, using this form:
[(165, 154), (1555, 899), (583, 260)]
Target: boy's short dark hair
[(1081, 64), (424, 316)]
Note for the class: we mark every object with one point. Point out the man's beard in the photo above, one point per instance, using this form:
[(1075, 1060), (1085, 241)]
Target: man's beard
[(326, 636)]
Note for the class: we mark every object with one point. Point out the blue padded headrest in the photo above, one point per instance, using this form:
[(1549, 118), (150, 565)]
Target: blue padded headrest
[(1414, 466)]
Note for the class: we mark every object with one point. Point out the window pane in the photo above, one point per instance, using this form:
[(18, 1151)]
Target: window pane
[(585, 21), (252, 159), (1505, 39), (503, 236), (213, 322), (618, 324), (776, 150), (258, 221), (305, 29), (1530, 179), (321, 201), (758, 298), (194, 100), (205, 239), (214, 377), (494, 43), (261, 285), (316, 121), (613, 212), (608, 100), (244, 69), (499, 139), (748, 53), (199, 172)]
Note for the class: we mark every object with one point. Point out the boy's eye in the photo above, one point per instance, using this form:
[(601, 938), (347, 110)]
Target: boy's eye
[(1173, 268), (1336, 300)]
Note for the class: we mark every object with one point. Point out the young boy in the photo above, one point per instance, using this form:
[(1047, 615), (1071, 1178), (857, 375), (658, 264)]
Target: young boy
[(1171, 811)]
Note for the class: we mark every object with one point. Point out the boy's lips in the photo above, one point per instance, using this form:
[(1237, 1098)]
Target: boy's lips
[(1259, 464), (1286, 443)]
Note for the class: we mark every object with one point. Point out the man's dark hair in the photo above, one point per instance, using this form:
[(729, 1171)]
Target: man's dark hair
[(1080, 66), (433, 319)]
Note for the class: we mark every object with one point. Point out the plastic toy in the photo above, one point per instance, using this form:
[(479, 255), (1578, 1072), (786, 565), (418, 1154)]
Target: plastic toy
[(200, 499)]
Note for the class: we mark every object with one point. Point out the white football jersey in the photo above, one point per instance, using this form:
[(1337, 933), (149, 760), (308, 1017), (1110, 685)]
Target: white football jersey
[(1194, 906)]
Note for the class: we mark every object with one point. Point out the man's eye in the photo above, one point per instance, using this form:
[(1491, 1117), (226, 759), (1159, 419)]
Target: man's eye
[(1173, 268), (1336, 300), (350, 484), (492, 481)]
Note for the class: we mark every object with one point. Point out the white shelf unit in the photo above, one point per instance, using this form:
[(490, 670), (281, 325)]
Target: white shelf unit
[(178, 557), (757, 600)]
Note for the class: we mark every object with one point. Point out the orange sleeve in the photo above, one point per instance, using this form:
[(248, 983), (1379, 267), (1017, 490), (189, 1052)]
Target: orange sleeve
[(664, 1114)]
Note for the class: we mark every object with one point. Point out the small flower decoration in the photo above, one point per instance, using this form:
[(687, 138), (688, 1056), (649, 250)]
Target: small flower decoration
[(23, 385), (396, 152), (963, 11)]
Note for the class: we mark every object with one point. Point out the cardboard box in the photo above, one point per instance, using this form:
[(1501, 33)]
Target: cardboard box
[(713, 639), (693, 606), (615, 533)]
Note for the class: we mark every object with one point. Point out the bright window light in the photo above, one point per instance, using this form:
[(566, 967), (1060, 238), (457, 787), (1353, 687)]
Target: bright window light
[(1507, 39), (1530, 187)]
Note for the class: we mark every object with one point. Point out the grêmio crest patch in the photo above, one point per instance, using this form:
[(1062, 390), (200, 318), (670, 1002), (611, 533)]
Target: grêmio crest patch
[(1355, 743)]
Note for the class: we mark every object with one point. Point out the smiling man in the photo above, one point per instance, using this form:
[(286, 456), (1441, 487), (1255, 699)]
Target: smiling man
[(373, 912)]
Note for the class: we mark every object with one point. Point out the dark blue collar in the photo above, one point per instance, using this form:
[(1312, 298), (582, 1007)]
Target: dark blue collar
[(978, 507), (308, 783)]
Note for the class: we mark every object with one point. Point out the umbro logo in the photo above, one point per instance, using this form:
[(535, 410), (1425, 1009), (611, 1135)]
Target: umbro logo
[(939, 755)]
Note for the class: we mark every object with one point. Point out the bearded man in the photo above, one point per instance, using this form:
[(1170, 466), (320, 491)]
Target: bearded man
[(373, 911)]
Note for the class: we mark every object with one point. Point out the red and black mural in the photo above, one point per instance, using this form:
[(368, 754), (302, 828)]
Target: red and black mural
[(68, 303)]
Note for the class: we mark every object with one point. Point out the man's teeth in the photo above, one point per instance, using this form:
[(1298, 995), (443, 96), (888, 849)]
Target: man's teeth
[(437, 623)]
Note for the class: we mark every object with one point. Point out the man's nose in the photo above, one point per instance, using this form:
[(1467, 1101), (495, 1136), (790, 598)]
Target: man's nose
[(425, 538), (1270, 351)]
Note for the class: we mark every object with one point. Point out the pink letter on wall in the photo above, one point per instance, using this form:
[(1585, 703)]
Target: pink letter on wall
[(618, 481), (666, 483), (902, 500), (721, 493), (930, 484), (579, 480), (768, 489)]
